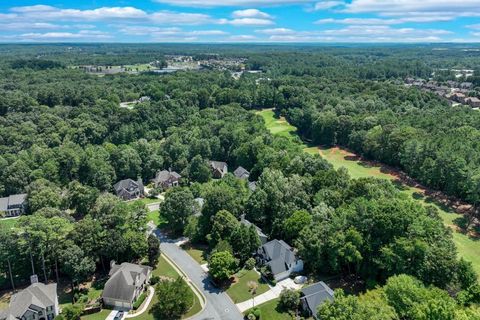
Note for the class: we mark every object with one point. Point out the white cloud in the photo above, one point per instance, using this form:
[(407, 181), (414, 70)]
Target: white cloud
[(242, 37), (42, 12), (180, 18), (380, 21), (251, 13), (415, 7), (276, 31), (231, 3), (474, 26), (324, 5), (82, 35), (15, 26), (248, 22)]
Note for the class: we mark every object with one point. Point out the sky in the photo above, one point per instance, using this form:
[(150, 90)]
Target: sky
[(262, 21)]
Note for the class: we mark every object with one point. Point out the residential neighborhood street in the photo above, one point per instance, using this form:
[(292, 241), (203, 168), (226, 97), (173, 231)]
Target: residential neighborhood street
[(218, 304)]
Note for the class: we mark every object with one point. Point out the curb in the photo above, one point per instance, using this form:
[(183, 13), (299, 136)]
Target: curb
[(197, 291)]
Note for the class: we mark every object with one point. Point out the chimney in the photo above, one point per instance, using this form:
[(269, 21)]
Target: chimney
[(112, 264)]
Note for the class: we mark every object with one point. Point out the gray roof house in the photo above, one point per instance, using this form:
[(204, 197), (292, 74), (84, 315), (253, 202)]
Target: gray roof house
[(126, 283), (219, 169), (280, 258), (129, 189), (263, 237), (241, 173), (13, 206), (252, 186), (166, 179), (313, 296), (37, 302)]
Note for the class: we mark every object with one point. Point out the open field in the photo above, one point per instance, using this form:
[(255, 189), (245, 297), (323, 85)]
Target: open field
[(239, 291), (467, 246)]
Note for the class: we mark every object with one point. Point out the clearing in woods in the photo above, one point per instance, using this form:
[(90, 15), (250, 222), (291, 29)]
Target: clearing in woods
[(468, 245)]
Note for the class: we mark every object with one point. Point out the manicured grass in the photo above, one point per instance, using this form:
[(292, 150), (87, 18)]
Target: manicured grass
[(97, 316), (269, 310), (9, 223), (239, 291), (165, 269), (467, 247), (146, 201), (198, 253), (277, 126), (156, 218)]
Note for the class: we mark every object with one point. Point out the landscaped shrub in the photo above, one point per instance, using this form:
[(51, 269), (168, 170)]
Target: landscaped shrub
[(139, 301), (154, 280), (250, 264)]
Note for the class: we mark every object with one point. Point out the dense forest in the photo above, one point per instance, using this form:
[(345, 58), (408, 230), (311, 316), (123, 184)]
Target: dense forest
[(65, 141)]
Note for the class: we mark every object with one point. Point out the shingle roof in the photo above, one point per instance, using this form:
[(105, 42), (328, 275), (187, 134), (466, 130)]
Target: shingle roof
[(121, 285), (278, 254), (164, 175), (37, 294), (248, 224), (14, 199), (241, 173), (316, 294), (218, 165)]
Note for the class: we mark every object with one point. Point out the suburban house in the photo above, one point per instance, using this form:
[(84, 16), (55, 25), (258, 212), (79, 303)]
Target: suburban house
[(473, 102), (313, 296), (126, 283), (252, 186), (13, 206), (219, 169), (241, 173), (280, 258), (129, 189), (166, 179), (37, 302), (261, 235)]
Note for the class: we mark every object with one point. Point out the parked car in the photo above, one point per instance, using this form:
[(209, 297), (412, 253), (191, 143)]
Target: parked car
[(119, 315), (300, 279)]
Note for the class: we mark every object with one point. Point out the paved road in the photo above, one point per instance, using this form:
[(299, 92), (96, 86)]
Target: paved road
[(218, 305)]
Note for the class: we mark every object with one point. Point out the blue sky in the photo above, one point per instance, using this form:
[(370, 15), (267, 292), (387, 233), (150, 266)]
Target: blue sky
[(261, 21)]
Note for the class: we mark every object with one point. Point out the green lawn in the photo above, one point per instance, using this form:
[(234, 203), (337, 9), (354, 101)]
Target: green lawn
[(198, 253), (269, 310), (277, 126), (468, 247), (239, 291), (146, 201), (97, 316), (165, 269), (156, 218), (9, 223)]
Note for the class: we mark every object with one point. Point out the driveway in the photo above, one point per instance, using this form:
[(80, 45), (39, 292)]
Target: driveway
[(271, 294), (218, 305)]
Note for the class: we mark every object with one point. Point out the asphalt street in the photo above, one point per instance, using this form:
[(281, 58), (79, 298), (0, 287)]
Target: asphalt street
[(218, 304)]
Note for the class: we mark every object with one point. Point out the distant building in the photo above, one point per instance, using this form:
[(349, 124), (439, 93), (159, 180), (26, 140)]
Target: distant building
[(219, 169), (313, 296), (241, 173), (167, 179), (126, 283), (263, 237), (252, 186), (13, 206), (129, 189), (473, 102), (37, 302), (280, 258), (466, 85)]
